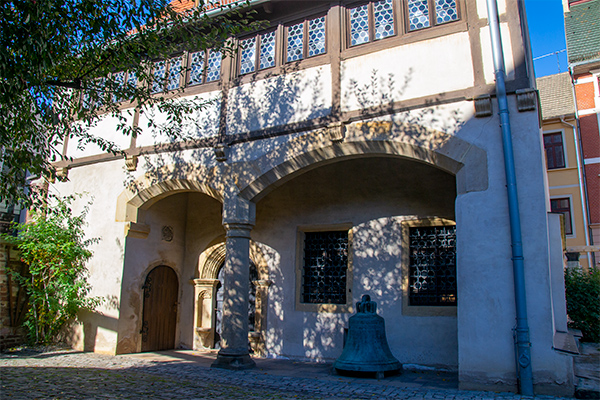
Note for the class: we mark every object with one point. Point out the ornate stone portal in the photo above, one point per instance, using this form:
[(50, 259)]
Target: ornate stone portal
[(366, 349)]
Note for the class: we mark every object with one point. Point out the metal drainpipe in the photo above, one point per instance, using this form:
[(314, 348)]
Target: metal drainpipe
[(524, 370)]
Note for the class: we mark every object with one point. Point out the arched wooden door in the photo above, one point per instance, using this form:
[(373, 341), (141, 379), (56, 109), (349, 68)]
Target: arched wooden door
[(160, 309)]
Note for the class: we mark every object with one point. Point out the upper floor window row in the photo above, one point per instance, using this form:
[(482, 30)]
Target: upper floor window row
[(302, 40), (377, 20), (202, 67)]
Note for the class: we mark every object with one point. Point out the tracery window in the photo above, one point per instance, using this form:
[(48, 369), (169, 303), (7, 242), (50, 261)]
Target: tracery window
[(325, 267), (426, 13), (432, 265), (371, 21)]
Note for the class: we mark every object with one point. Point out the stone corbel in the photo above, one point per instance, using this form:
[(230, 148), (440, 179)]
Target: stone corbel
[(131, 162), (221, 152), (483, 106), (526, 99), (62, 174), (336, 131)]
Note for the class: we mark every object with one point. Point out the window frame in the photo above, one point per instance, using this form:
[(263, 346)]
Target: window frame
[(206, 58), (432, 16), (371, 22), (300, 240), (562, 146), (564, 212), (165, 84), (257, 36), (305, 38), (421, 310)]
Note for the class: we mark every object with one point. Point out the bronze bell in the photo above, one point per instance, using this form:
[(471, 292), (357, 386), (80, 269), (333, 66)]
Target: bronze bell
[(366, 348)]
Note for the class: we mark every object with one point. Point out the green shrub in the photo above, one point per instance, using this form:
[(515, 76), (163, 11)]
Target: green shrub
[(54, 249), (583, 301)]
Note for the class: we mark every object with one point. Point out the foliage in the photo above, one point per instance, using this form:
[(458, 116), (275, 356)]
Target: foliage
[(53, 247), (60, 61), (583, 301)]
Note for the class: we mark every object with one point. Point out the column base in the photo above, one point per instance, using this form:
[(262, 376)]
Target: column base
[(233, 361)]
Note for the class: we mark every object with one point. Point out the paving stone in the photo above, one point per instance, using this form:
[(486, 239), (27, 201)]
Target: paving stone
[(71, 375)]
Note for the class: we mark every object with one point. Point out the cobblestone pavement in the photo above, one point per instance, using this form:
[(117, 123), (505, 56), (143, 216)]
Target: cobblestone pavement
[(69, 374)]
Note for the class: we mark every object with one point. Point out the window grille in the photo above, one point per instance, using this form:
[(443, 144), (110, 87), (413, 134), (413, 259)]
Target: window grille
[(419, 15), (553, 144), (563, 206), (325, 267), (248, 55), (159, 73), (295, 41), (432, 267), (174, 79)]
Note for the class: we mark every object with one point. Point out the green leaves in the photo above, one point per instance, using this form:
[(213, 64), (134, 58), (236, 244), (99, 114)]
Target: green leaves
[(54, 53), (54, 248), (583, 301)]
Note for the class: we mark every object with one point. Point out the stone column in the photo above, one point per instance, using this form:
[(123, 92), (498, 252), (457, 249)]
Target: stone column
[(238, 220)]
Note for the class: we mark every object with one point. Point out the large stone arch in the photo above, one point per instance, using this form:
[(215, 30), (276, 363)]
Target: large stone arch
[(375, 139), (209, 263), (141, 195)]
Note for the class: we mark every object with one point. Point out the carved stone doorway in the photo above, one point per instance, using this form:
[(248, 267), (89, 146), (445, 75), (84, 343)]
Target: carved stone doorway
[(159, 320)]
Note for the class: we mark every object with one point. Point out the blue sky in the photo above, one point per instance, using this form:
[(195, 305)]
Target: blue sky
[(547, 34)]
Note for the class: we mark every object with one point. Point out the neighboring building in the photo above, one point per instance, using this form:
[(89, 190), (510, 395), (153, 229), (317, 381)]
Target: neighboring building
[(351, 148), (564, 164), (582, 28)]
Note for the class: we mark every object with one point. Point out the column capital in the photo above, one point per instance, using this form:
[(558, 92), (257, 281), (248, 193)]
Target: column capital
[(237, 210), (238, 230)]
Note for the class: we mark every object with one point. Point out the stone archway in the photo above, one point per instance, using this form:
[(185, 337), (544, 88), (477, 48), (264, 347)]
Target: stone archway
[(206, 287)]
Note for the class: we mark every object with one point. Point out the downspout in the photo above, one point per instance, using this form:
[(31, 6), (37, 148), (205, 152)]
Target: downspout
[(524, 371), (582, 189)]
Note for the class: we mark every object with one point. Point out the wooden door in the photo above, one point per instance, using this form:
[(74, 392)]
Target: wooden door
[(160, 309)]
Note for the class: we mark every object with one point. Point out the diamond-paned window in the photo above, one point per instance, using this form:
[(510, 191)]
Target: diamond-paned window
[(420, 16), (316, 36), (267, 50), (295, 41), (371, 21), (325, 267), (432, 267), (174, 79), (247, 55)]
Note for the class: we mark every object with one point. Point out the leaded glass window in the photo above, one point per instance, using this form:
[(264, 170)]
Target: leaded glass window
[(359, 25), (316, 36), (174, 79), (384, 19), (248, 55), (213, 71), (159, 73), (445, 11), (432, 267), (202, 70), (325, 267), (267, 50), (419, 14), (295, 41), (196, 68), (371, 21), (119, 81)]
